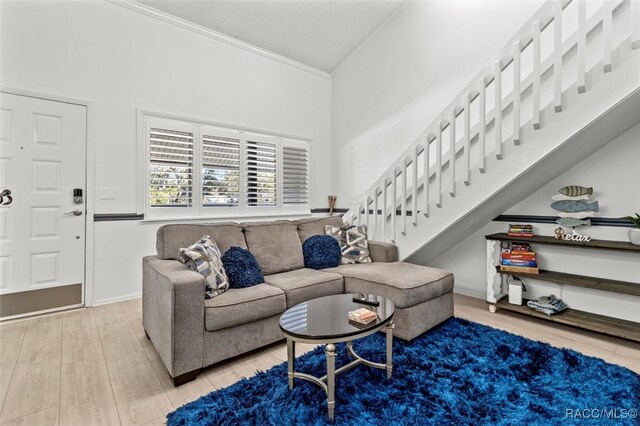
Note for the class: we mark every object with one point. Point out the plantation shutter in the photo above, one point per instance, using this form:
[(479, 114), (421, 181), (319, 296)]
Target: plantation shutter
[(295, 175), (170, 168), (220, 171), (261, 174)]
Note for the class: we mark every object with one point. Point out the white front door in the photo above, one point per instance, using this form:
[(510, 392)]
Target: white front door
[(42, 230)]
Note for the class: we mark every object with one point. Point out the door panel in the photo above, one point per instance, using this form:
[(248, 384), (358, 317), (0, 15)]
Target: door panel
[(42, 160)]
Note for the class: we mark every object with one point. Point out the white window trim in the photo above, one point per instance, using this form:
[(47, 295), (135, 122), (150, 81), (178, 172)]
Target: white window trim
[(197, 211)]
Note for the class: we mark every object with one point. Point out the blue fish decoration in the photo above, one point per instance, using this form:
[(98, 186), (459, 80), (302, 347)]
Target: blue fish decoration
[(571, 222), (572, 206)]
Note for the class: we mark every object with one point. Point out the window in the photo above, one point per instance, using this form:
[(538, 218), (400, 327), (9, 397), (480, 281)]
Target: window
[(262, 171), (295, 174), (194, 169), (170, 168), (220, 171)]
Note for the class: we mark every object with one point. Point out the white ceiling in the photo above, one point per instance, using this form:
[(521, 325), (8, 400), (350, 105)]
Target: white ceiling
[(319, 33)]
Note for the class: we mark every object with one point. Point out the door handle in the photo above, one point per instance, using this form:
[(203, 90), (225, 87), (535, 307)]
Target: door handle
[(75, 212), (3, 194)]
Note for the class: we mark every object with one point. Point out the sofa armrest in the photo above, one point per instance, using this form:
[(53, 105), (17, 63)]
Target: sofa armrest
[(173, 313), (383, 252)]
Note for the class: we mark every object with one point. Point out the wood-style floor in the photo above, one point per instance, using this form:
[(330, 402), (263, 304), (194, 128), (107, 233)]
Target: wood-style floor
[(96, 367)]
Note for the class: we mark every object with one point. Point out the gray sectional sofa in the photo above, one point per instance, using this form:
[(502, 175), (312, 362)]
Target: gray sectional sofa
[(191, 332)]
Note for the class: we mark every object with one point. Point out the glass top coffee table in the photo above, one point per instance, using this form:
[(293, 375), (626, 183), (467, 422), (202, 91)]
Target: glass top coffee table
[(325, 320)]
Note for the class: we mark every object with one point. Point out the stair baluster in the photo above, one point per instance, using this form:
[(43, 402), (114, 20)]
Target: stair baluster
[(482, 123), (452, 152), (403, 198), (582, 46), (384, 208), (438, 143), (366, 212), (635, 24), (375, 213), (536, 74), (517, 51), (394, 203), (557, 55), (497, 121), (467, 139), (425, 176), (607, 20), (414, 187)]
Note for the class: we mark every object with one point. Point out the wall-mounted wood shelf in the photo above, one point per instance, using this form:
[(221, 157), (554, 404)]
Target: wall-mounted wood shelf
[(593, 244), (604, 284), (590, 321), (600, 323)]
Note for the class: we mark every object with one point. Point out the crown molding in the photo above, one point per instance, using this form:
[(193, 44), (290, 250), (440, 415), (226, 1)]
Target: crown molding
[(199, 29)]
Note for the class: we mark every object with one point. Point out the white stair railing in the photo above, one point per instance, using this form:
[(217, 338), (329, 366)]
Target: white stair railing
[(428, 147)]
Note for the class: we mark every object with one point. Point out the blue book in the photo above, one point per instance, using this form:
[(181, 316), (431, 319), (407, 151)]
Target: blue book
[(516, 262)]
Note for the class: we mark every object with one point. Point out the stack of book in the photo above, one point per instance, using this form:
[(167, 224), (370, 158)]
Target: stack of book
[(362, 316), (519, 258), (520, 230)]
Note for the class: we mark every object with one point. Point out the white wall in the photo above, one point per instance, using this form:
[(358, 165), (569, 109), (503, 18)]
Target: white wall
[(121, 60), (401, 77), (614, 174)]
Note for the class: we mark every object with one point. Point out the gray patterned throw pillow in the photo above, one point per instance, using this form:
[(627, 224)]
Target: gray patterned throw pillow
[(204, 257), (353, 243)]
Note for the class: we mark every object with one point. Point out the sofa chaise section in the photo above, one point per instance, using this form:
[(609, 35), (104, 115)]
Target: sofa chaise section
[(423, 296)]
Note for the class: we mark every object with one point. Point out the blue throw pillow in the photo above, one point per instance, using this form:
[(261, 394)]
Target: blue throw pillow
[(242, 268), (321, 251)]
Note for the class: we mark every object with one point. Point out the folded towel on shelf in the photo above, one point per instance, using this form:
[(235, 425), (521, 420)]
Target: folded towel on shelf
[(549, 305)]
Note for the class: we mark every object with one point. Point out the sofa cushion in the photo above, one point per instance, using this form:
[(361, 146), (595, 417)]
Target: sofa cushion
[(306, 284), (309, 227), (204, 257), (170, 238), (275, 245), (321, 251), (405, 284), (242, 268), (243, 305), (353, 243)]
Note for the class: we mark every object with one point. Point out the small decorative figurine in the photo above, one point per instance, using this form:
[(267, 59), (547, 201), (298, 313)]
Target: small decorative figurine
[(559, 233), (332, 203)]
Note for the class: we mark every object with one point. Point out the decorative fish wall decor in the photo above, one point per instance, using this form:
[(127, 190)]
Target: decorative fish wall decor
[(577, 215), (575, 190), (560, 197), (570, 206), (571, 222)]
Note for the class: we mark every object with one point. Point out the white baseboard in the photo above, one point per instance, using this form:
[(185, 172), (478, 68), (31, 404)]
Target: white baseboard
[(43, 312), (471, 292), (117, 299)]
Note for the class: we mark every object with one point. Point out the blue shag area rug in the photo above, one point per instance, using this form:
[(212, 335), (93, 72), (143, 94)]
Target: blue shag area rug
[(459, 373)]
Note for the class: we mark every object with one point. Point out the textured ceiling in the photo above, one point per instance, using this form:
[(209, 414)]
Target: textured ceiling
[(319, 33)]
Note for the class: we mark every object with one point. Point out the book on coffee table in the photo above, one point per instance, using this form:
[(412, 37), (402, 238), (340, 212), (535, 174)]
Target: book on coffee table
[(363, 316)]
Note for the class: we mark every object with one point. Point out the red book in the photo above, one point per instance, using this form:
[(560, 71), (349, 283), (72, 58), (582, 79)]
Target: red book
[(528, 256)]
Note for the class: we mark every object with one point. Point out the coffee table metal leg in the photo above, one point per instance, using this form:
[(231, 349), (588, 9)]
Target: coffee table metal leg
[(330, 352), (389, 332), (291, 360)]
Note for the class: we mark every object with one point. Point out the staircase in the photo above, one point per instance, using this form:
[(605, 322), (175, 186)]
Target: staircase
[(566, 84)]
